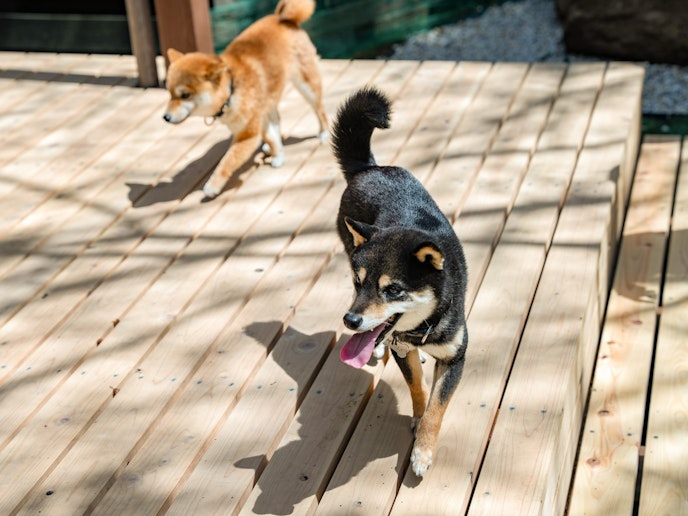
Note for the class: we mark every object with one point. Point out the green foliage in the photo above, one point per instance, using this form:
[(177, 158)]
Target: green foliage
[(665, 124), (347, 28)]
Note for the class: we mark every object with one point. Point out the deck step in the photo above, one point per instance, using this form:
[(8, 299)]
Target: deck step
[(159, 354)]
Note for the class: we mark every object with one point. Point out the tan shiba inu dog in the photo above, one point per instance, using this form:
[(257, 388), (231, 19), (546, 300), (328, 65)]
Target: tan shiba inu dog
[(243, 86)]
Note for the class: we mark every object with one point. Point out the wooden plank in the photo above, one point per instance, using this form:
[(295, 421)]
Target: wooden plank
[(123, 285), (315, 437), (664, 488), (458, 166), (535, 435), (495, 187), (35, 272), (367, 475), (85, 139), (333, 407), (229, 486), (40, 133), (9, 59), (15, 67), (267, 404), (170, 243), (630, 107), (33, 213), (268, 383), (28, 90), (344, 490), (81, 116), (39, 362), (424, 149), (87, 179), (279, 489), (605, 478), (507, 289), (409, 107), (24, 335), (114, 357), (202, 305), (379, 499)]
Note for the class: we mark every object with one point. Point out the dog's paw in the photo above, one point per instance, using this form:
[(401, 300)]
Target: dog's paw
[(323, 136), (210, 190), (266, 148), (423, 356), (421, 460), (379, 351), (278, 160)]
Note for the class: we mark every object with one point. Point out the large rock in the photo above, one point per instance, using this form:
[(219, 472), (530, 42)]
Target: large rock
[(635, 30)]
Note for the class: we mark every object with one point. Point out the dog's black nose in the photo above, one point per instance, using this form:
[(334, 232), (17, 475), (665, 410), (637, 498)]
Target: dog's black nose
[(353, 321), (167, 117)]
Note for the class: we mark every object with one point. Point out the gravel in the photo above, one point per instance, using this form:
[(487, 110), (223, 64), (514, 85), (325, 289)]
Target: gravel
[(529, 31)]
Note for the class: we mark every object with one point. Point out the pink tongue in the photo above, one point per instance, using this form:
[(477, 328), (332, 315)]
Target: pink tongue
[(359, 348)]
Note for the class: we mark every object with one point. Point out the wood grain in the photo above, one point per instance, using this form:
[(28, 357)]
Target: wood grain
[(607, 466)]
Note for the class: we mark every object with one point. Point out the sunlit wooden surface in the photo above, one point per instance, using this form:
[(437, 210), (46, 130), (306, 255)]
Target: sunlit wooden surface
[(161, 354)]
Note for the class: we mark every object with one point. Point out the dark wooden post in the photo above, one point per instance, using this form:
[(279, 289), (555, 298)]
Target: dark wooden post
[(184, 25), (142, 40)]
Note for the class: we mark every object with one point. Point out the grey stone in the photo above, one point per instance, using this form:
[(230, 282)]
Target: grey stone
[(530, 31), (634, 30)]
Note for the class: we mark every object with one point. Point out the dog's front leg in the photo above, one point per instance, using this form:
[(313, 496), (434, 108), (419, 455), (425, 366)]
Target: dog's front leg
[(412, 370), (241, 149), (446, 378)]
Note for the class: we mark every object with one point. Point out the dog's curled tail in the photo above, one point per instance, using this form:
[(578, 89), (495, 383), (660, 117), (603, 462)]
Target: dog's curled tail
[(360, 114), (295, 11)]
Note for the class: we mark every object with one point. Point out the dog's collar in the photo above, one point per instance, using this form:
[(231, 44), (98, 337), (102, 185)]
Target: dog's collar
[(411, 335), (225, 106)]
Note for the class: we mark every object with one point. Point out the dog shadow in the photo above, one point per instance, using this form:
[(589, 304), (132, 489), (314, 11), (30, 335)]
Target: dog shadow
[(193, 176), (312, 416)]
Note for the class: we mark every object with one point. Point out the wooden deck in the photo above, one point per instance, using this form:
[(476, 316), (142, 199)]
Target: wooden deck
[(159, 354)]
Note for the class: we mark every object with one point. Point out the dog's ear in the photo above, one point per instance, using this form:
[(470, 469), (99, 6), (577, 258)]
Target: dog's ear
[(360, 231), (216, 71), (429, 253), (173, 54)]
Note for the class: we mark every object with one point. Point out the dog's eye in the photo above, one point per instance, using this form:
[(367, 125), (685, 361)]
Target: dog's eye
[(394, 291), (185, 96)]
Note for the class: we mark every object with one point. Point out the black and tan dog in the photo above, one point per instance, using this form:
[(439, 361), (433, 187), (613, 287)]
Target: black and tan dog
[(408, 268)]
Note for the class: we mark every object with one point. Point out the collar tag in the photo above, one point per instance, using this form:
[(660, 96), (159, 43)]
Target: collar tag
[(400, 348)]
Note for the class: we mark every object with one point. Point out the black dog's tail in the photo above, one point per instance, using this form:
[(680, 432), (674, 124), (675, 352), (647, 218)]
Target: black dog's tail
[(360, 114)]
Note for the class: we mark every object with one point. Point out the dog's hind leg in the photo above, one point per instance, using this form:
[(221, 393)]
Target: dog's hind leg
[(446, 378), (307, 80), (272, 137)]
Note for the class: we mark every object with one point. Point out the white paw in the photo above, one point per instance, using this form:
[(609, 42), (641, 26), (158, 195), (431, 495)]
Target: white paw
[(266, 148), (211, 191), (423, 356), (278, 160), (421, 460), (379, 351), (323, 136)]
